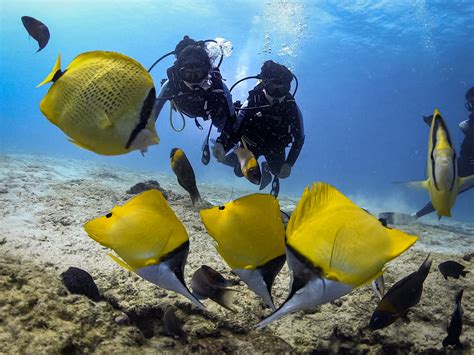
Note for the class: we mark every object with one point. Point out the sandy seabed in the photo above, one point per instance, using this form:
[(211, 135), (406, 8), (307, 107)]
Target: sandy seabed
[(44, 203)]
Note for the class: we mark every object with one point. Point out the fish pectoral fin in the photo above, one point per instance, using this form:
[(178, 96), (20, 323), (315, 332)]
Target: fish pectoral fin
[(50, 77), (120, 262), (415, 184), (343, 258), (465, 183), (104, 121), (80, 145)]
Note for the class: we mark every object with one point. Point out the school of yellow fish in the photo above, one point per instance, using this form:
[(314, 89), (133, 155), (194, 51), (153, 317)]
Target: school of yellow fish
[(331, 245)]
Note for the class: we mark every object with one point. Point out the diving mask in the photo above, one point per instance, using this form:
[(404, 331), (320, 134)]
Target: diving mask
[(276, 88), (193, 74), (469, 105)]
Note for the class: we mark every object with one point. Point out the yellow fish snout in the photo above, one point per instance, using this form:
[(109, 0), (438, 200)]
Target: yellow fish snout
[(98, 229)]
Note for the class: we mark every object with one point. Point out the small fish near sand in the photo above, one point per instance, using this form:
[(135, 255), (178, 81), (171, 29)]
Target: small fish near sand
[(149, 240), (403, 295), (455, 323), (185, 174), (101, 101), (250, 237), (332, 247), (36, 29), (208, 283), (452, 269), (171, 323)]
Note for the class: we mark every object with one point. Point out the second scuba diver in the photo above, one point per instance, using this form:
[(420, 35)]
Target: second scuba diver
[(267, 123), (195, 88)]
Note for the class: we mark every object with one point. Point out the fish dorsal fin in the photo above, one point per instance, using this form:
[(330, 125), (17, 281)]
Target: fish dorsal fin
[(152, 198), (317, 198), (428, 119), (50, 77), (120, 262)]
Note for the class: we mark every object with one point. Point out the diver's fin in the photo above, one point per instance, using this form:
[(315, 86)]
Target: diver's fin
[(465, 183), (120, 262), (51, 76), (397, 217)]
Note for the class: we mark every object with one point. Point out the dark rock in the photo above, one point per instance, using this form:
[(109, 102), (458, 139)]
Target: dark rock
[(172, 324), (468, 257), (122, 319), (79, 282), (147, 185)]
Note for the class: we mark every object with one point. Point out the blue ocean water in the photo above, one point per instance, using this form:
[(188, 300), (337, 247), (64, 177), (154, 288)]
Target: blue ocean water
[(367, 70)]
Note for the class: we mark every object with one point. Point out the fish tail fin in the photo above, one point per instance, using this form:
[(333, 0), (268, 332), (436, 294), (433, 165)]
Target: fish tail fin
[(195, 197), (464, 273), (226, 298), (425, 267), (459, 295), (51, 76)]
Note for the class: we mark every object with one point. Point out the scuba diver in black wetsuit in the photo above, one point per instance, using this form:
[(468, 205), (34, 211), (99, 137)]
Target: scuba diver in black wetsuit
[(195, 89), (267, 123), (465, 160)]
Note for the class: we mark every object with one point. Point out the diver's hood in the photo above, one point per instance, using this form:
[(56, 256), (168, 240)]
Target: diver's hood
[(260, 280), (169, 273), (308, 289)]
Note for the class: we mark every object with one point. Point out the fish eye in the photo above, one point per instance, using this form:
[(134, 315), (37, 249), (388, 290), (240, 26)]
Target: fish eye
[(108, 215), (221, 207)]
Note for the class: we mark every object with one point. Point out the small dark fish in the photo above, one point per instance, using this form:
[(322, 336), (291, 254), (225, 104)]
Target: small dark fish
[(185, 174), (36, 29), (208, 283), (80, 282), (452, 269), (172, 324), (455, 324), (403, 295)]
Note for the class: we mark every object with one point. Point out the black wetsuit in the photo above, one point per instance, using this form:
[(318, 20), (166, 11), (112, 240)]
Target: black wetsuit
[(268, 129), (466, 154), (214, 102)]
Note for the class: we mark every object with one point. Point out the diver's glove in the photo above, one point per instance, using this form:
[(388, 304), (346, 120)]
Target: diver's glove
[(465, 126), (285, 171), (218, 152)]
